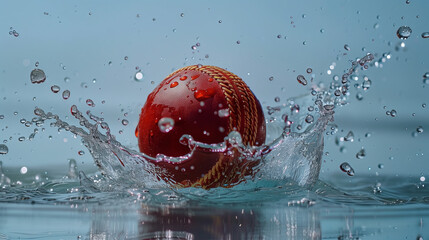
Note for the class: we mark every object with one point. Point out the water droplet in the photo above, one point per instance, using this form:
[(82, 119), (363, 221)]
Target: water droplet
[(220, 21), (422, 178), (23, 170), (166, 124), (126, 58), (337, 93), (277, 99), (271, 78), (322, 30), (223, 112), (66, 94), (329, 107), (419, 129), (90, 103), (301, 79), (380, 165), (304, 43), (3, 149), (66, 79), (37, 76), (193, 47), (426, 75), (294, 108), (55, 89), (238, 42), (182, 14), (201, 95), (423, 105), (361, 154), (393, 113), (349, 137), (279, 36), (81, 152), (347, 47), (309, 70), (183, 78), (138, 76), (174, 84), (21, 139), (359, 96), (1, 116), (309, 119), (124, 122), (366, 84), (425, 35), (404, 32), (345, 167)]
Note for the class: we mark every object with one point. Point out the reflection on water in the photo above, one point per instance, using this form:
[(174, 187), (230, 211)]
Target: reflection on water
[(359, 209), (127, 220)]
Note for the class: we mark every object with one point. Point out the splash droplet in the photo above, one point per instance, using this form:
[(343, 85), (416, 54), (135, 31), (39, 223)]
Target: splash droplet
[(166, 124), (309, 119), (349, 137), (425, 35), (138, 76), (347, 47), (309, 70), (37, 76), (90, 103), (23, 170), (393, 113), (419, 129), (366, 84), (404, 32), (301, 79), (361, 154), (223, 112), (66, 94), (345, 167), (125, 122), (55, 89), (3, 149)]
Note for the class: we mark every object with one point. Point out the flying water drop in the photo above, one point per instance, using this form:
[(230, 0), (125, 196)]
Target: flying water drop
[(37, 76), (425, 35), (66, 94), (55, 89), (138, 76), (301, 79), (3, 149), (345, 167), (349, 137), (404, 32), (90, 103), (166, 124), (361, 154)]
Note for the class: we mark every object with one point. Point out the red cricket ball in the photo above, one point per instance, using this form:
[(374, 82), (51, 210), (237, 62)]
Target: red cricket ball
[(206, 102)]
